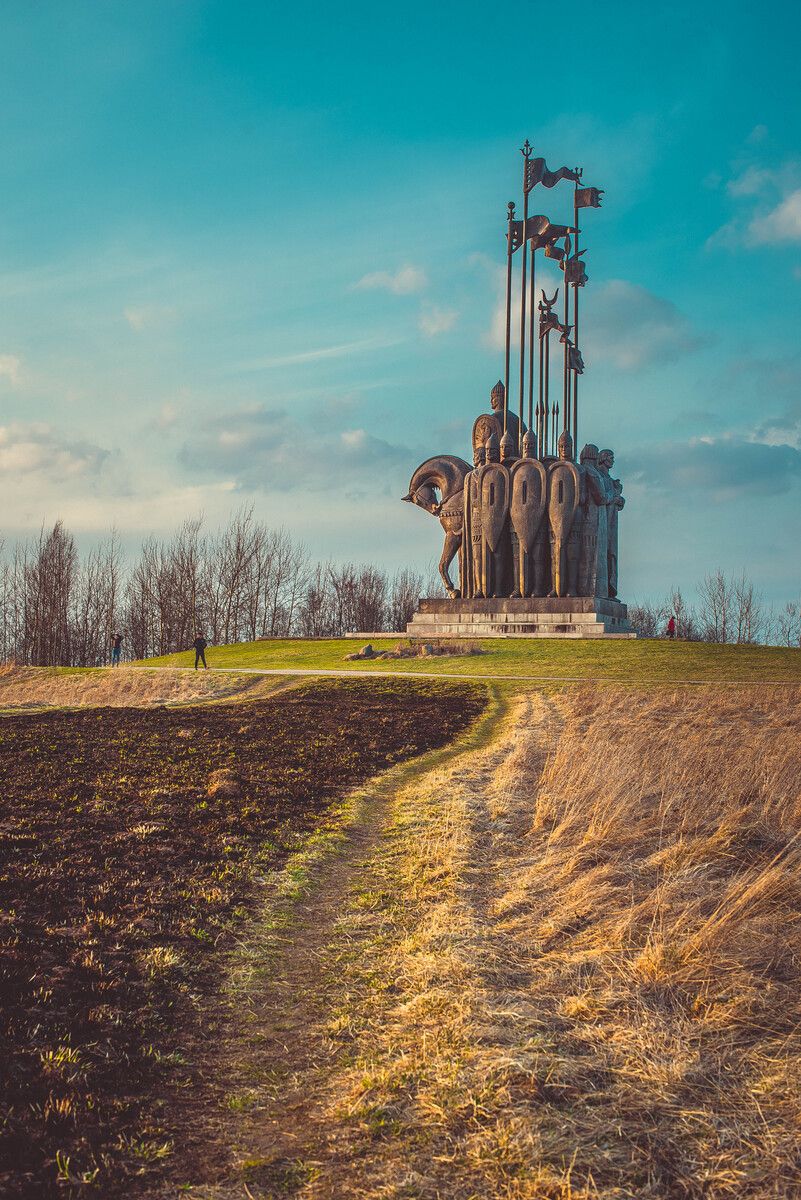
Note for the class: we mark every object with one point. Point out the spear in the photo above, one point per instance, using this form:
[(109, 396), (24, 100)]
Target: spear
[(579, 173), (526, 152), (566, 382), (540, 405), (531, 339), (510, 216)]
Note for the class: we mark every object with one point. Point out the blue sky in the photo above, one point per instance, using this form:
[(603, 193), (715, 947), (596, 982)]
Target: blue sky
[(251, 252)]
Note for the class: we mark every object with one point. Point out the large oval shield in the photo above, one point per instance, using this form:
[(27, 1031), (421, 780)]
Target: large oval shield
[(494, 503), (529, 497), (564, 491)]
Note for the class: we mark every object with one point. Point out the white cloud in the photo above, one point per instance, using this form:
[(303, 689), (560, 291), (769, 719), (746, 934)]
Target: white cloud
[(148, 317), (757, 134), (751, 182), (320, 352), (407, 279), (433, 321), (35, 449), (632, 328), (265, 450), (10, 368), (547, 279), (783, 224)]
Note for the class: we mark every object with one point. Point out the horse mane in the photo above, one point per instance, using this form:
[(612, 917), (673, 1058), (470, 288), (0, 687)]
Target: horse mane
[(446, 472)]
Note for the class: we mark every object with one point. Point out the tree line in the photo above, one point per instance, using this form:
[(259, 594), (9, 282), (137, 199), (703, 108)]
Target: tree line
[(247, 581), (240, 583), (729, 610)]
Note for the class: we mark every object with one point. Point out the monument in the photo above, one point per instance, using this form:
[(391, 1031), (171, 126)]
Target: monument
[(533, 531)]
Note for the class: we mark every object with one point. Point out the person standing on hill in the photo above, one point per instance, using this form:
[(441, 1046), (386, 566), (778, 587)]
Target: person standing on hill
[(671, 628), (116, 650), (200, 644)]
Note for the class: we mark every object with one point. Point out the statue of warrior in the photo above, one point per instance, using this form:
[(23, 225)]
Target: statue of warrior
[(485, 423), (594, 573), (564, 499), (529, 488), (606, 460), (470, 554), (493, 483)]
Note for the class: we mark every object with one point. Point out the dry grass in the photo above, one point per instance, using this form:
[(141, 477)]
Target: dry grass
[(46, 687), (590, 987), (663, 923), (568, 968)]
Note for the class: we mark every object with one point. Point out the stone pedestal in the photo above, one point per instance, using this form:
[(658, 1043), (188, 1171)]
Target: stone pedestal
[(566, 617)]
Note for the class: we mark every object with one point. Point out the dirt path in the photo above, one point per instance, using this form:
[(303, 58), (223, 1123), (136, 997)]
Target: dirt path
[(368, 1024), (477, 677)]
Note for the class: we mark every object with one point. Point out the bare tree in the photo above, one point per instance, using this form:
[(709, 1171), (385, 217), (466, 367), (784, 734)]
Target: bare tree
[(647, 619), (716, 596), (687, 626), (405, 590), (788, 625), (749, 611)]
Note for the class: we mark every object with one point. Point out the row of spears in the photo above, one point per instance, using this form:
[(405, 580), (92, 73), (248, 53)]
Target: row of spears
[(534, 233)]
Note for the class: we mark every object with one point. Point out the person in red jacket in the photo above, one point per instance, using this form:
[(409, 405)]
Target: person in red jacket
[(671, 628)]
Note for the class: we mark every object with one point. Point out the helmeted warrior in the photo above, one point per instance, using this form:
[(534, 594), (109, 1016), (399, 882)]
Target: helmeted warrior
[(529, 488), (594, 574), (493, 480), (606, 460), (564, 500)]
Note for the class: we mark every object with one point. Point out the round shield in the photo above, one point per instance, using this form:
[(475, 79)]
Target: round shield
[(484, 427), (529, 496)]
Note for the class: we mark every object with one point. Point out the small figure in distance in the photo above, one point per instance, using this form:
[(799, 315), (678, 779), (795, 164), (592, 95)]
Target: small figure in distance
[(200, 645), (116, 649), (671, 627)]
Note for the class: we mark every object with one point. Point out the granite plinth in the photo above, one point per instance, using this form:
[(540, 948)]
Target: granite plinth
[(538, 616)]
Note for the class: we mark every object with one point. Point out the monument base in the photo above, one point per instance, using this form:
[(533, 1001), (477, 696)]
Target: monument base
[(537, 616)]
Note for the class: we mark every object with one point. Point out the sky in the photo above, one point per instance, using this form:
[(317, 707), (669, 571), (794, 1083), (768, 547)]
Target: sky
[(253, 253)]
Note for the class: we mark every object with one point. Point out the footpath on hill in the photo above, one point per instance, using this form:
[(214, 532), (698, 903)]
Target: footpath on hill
[(558, 959), (370, 1016)]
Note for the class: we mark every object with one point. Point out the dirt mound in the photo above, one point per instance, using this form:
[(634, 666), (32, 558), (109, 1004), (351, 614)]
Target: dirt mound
[(53, 687)]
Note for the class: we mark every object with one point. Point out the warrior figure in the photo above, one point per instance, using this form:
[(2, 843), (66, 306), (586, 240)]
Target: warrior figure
[(529, 487), (606, 460), (564, 498), (594, 573), (494, 488), (470, 562)]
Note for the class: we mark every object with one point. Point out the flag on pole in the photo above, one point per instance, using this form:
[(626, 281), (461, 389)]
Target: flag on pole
[(554, 251), (537, 172), (575, 361), (575, 269), (589, 197), (539, 230)]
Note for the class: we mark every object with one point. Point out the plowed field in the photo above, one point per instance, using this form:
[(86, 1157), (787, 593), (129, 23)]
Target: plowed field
[(129, 840)]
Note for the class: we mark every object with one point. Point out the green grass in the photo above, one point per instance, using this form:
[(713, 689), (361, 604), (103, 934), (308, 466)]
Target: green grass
[(640, 661)]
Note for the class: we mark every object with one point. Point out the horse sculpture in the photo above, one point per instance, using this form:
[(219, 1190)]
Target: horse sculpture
[(445, 475)]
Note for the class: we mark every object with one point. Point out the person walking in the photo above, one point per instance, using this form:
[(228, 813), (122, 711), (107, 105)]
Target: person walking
[(200, 644), (671, 628), (116, 650)]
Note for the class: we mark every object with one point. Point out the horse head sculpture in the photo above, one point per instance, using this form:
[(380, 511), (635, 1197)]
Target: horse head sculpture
[(445, 475)]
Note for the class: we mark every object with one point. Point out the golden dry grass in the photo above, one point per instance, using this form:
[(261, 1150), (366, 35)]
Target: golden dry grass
[(663, 916), (568, 968), (49, 687), (600, 985)]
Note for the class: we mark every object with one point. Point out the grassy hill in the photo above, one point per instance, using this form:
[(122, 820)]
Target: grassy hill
[(641, 661)]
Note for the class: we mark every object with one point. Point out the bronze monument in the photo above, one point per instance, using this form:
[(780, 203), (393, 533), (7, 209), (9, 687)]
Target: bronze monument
[(535, 531)]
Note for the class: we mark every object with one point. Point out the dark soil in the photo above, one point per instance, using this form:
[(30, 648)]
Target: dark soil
[(128, 843)]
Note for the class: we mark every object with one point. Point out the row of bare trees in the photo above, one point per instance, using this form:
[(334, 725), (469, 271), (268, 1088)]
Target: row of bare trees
[(729, 610), (241, 583)]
